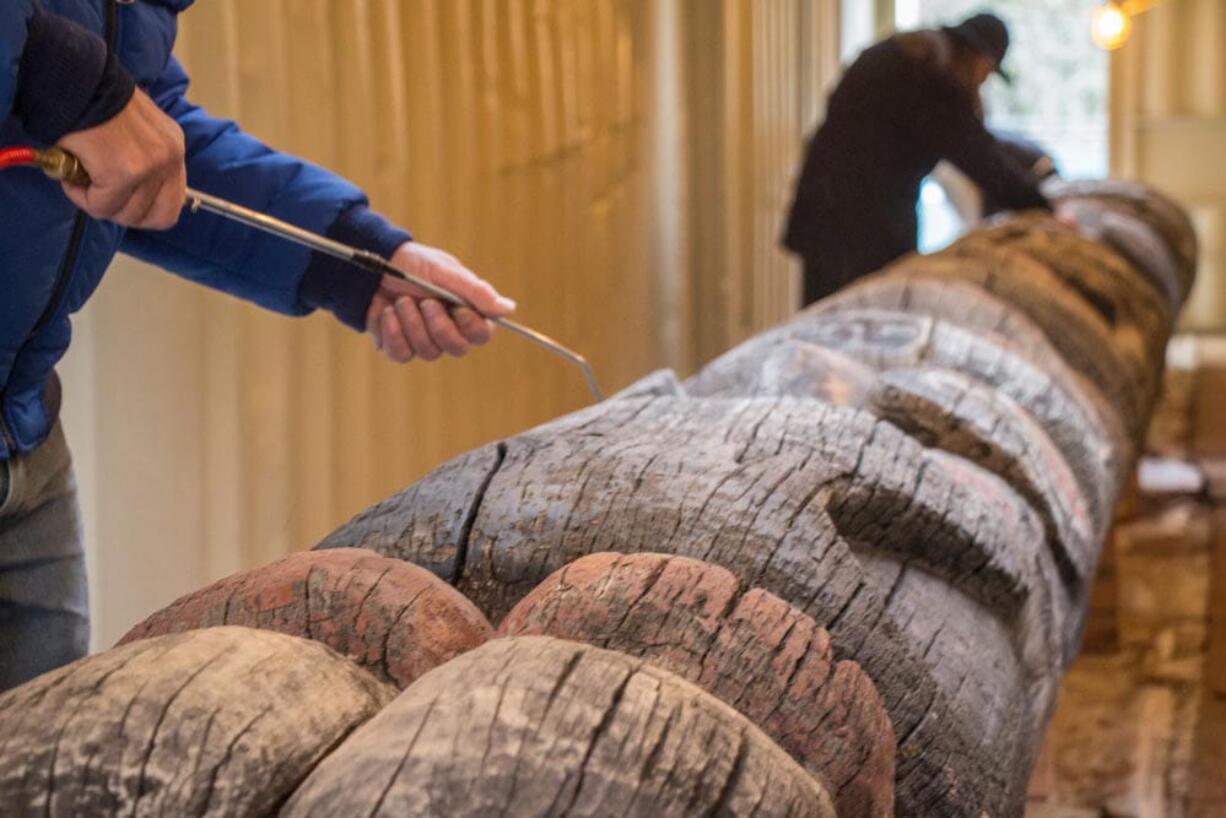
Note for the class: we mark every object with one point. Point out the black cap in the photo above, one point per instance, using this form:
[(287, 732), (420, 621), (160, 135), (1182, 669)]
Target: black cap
[(987, 34)]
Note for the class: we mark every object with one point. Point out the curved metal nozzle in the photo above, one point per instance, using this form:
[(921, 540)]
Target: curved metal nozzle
[(260, 221), (548, 343), (62, 165)]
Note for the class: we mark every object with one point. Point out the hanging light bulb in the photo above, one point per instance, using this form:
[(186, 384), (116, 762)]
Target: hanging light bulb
[(1110, 25)]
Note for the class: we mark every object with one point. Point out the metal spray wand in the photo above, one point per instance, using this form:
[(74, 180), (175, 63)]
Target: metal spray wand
[(61, 165)]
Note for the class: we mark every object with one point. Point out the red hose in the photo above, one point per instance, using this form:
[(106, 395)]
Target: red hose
[(16, 157)]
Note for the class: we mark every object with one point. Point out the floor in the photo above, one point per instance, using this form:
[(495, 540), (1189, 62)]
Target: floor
[(1140, 728)]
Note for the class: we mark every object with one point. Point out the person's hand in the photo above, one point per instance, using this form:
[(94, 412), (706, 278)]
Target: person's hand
[(136, 167), (406, 325), (1067, 214)]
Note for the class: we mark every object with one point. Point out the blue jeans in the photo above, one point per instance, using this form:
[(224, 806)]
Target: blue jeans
[(44, 613)]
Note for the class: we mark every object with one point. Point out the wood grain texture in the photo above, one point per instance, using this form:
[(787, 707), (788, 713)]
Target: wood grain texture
[(221, 721), (886, 339), (544, 727), (922, 467), (962, 302), (395, 619), (1138, 242), (1112, 358), (787, 494), (949, 411), (745, 646)]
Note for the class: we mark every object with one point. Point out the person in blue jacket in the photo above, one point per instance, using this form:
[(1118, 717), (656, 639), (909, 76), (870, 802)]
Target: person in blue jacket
[(97, 78)]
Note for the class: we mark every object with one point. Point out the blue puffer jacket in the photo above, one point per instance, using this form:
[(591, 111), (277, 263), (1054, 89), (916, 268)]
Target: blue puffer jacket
[(52, 257)]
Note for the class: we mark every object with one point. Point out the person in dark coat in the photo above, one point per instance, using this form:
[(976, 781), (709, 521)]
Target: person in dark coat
[(1031, 158), (903, 105)]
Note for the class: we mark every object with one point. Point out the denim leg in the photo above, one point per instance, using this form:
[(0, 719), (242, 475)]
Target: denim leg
[(44, 613)]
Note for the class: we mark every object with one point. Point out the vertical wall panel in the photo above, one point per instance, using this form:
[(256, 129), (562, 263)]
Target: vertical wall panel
[(755, 80), (1168, 111)]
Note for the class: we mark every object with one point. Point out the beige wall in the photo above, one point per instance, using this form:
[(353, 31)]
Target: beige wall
[(552, 144), (755, 73), (1169, 129)]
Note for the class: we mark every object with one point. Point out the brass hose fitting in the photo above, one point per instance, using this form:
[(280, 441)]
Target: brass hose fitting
[(62, 166)]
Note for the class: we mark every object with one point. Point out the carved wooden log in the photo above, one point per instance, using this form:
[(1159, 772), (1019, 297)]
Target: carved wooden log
[(835, 512), (535, 726), (946, 545), (746, 646), (393, 618), (907, 484), (1089, 435), (1141, 204), (1112, 358), (951, 412), (1112, 286), (224, 721)]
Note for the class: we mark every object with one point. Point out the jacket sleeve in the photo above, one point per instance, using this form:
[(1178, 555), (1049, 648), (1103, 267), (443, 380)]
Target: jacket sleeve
[(56, 77), (271, 272), (13, 35), (942, 118)]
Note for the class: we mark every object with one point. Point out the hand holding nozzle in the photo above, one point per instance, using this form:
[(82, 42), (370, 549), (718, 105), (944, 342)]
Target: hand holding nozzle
[(415, 327), (260, 221), (137, 176)]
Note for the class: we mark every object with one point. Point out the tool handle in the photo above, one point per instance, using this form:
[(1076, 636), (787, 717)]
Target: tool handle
[(61, 165)]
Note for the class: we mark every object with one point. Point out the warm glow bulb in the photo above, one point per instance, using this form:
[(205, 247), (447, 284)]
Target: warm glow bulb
[(1109, 26)]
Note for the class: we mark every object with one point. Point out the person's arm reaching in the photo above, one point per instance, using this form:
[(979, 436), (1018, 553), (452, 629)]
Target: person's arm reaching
[(946, 122), (64, 87), (281, 276)]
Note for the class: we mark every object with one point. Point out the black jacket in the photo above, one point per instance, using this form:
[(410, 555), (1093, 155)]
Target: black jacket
[(888, 123)]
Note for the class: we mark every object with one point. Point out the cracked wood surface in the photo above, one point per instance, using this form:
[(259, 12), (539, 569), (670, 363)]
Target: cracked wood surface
[(939, 288), (1112, 359), (781, 492), (747, 647), (949, 411), (887, 339), (1024, 358), (962, 302), (223, 721), (533, 726), (440, 511), (393, 618)]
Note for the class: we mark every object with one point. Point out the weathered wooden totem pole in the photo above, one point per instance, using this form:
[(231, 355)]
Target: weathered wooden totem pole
[(839, 571)]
